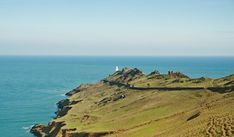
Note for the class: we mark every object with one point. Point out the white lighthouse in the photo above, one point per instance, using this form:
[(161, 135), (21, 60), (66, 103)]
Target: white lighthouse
[(116, 68)]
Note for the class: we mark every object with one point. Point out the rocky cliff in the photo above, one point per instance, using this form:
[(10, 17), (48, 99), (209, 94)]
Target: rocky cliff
[(131, 103)]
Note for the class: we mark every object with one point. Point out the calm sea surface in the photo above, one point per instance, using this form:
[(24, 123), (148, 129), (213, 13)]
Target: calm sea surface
[(31, 86)]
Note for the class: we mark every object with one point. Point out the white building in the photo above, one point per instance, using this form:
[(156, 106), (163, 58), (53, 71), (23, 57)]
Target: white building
[(116, 68)]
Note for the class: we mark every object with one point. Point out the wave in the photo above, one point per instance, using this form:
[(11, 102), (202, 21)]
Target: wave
[(27, 128), (63, 95)]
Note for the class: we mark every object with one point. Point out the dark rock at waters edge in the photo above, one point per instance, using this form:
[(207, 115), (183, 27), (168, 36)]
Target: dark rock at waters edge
[(62, 103), (64, 106), (51, 130), (39, 130), (62, 112), (78, 89)]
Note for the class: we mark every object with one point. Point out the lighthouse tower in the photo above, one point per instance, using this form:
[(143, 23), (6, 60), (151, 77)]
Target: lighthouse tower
[(116, 68)]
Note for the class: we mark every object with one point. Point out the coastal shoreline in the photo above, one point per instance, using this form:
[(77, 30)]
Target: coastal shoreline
[(126, 80)]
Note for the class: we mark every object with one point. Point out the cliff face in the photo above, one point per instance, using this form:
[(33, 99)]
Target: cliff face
[(130, 103)]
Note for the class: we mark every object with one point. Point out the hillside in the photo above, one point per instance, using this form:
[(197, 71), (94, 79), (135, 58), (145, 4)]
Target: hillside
[(129, 103)]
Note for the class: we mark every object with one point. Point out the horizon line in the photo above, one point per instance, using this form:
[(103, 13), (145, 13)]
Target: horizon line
[(20, 55)]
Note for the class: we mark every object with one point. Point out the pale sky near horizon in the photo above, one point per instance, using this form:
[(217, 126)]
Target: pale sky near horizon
[(117, 27)]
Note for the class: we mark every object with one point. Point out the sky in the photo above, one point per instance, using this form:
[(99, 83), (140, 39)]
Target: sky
[(117, 27)]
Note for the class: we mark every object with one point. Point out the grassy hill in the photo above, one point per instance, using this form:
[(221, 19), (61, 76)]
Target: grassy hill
[(115, 107)]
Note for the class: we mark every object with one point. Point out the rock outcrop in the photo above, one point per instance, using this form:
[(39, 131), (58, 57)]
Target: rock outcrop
[(82, 87), (64, 106), (114, 97), (51, 130), (176, 74), (156, 72), (125, 75)]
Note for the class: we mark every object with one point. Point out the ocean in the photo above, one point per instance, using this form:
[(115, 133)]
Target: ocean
[(30, 86)]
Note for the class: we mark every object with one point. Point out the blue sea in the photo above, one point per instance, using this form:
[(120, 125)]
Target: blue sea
[(30, 86)]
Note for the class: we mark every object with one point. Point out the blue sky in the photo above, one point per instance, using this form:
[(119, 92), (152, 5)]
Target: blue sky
[(117, 27)]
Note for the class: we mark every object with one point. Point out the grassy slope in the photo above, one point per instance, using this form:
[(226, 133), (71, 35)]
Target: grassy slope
[(154, 113)]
